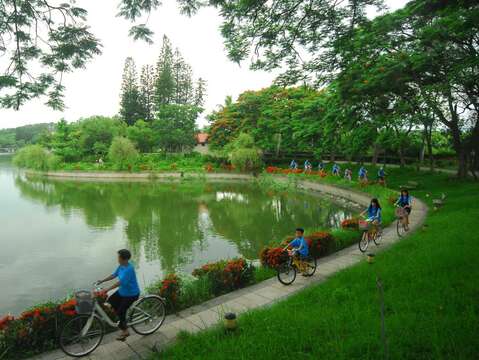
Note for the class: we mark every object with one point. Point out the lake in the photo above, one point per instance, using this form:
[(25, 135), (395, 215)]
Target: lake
[(60, 235)]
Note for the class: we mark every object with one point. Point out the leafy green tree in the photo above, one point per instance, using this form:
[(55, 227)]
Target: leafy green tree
[(35, 157), (122, 153), (175, 127), (142, 135), (131, 105), (65, 141), (244, 155), (97, 133), (40, 32)]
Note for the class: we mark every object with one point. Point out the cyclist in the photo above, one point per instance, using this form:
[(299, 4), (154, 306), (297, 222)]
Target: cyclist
[(381, 175), (404, 201), (363, 174), (348, 174), (374, 212), (293, 165), (307, 166), (128, 290), (336, 169), (320, 166), (299, 244)]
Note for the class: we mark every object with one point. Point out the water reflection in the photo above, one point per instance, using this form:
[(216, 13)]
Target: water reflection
[(168, 227), (165, 220)]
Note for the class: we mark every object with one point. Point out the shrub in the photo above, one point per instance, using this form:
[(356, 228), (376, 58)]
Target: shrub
[(245, 155), (168, 288), (352, 224), (226, 276), (122, 153), (35, 157), (247, 159), (273, 257)]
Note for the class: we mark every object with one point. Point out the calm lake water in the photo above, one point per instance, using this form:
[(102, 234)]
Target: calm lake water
[(58, 235)]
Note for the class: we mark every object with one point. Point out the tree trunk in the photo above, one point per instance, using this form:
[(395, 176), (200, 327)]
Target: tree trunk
[(429, 148), (401, 158), (460, 151), (375, 154)]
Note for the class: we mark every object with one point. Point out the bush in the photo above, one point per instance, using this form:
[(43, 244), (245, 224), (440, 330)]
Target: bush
[(226, 276), (35, 157), (122, 153), (350, 224), (245, 155)]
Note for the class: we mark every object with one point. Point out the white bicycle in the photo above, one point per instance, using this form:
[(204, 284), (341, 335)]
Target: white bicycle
[(82, 334)]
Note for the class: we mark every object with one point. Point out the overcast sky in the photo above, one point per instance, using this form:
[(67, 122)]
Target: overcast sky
[(96, 90)]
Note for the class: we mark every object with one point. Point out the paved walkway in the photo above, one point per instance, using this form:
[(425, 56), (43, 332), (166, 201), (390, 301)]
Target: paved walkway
[(268, 292)]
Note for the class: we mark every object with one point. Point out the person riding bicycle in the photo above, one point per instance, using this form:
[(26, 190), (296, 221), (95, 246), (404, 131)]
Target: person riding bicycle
[(293, 165), (299, 245), (348, 174), (381, 175), (363, 174), (336, 169), (320, 166), (128, 290), (374, 212), (404, 201), (307, 166)]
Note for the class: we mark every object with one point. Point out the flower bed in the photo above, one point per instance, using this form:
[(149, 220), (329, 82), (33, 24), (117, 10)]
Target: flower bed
[(226, 276), (350, 224)]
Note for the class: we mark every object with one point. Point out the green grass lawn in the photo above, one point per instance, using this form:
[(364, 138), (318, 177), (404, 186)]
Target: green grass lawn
[(431, 291)]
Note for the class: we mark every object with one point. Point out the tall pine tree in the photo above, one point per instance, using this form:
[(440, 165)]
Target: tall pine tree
[(131, 107), (165, 81), (147, 91), (200, 93)]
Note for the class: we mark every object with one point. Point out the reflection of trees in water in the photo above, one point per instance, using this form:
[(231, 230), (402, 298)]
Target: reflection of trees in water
[(166, 220), (259, 218), (160, 217)]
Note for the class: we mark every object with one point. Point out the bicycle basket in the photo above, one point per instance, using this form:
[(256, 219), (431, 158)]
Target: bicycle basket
[(363, 225), (400, 212), (84, 302)]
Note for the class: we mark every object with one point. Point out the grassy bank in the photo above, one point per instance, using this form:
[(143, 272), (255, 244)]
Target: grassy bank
[(430, 291)]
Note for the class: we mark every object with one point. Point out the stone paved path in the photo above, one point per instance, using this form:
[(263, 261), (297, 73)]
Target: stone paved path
[(263, 294)]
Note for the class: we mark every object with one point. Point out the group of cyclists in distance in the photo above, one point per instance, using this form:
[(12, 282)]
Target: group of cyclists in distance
[(336, 171)]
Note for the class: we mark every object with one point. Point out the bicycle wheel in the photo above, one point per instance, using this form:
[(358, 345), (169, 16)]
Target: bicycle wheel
[(147, 315), (400, 228), (311, 265), (81, 335), (378, 236), (364, 241), (286, 273)]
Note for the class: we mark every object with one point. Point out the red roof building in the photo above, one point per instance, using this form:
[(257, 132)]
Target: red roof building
[(202, 138)]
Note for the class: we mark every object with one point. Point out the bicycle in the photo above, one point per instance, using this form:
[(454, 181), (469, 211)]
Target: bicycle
[(81, 335), (401, 225), (371, 232), (286, 272)]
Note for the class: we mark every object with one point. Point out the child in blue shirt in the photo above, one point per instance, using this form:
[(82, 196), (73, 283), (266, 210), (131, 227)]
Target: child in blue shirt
[(374, 212), (307, 166), (299, 244), (128, 290), (363, 174), (336, 169), (405, 201)]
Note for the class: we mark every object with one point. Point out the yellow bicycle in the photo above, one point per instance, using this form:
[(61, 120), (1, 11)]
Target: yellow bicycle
[(287, 271)]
